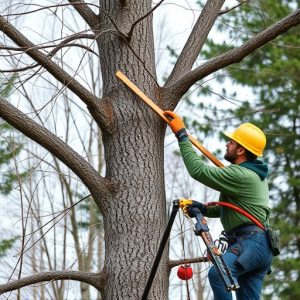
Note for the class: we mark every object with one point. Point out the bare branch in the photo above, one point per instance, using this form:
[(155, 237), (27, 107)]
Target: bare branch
[(95, 279), (82, 8), (55, 220), (86, 13), (225, 11), (93, 102), (196, 39), (175, 263), (62, 76), (179, 87), (65, 41), (56, 49), (90, 177), (71, 38), (43, 7)]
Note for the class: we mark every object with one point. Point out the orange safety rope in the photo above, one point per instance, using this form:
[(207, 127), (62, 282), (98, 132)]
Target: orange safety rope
[(240, 210)]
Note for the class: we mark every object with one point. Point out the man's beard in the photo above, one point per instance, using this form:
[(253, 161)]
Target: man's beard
[(231, 157)]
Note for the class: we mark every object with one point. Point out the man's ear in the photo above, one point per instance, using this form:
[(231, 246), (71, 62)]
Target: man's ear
[(240, 151)]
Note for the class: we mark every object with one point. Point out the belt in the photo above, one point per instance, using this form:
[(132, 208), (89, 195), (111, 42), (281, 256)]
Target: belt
[(244, 230)]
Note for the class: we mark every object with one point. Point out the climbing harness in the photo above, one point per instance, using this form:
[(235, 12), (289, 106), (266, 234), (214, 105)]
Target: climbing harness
[(222, 242), (189, 207)]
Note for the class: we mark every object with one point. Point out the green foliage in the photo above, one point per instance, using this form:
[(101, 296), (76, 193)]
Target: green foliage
[(84, 209), (6, 244), (7, 151), (273, 74), (8, 180), (7, 86), (10, 147)]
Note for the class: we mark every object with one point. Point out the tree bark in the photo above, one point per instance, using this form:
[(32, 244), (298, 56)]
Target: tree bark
[(134, 159)]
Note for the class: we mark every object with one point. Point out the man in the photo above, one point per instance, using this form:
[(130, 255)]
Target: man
[(243, 184)]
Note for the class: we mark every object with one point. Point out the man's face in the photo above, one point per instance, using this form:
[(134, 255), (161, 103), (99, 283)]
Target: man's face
[(231, 153)]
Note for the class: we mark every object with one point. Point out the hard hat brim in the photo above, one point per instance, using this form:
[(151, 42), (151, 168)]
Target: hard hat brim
[(231, 136)]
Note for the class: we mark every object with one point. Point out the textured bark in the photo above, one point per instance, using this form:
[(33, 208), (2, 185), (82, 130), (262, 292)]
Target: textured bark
[(135, 217)]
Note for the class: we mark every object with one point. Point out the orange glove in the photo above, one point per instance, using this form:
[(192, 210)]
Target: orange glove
[(176, 122)]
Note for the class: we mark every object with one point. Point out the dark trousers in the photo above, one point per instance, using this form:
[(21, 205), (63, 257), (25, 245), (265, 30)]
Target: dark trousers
[(249, 258)]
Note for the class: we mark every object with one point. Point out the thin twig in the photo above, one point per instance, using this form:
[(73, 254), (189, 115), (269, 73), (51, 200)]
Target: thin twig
[(65, 212), (175, 263), (129, 35), (47, 7), (225, 11)]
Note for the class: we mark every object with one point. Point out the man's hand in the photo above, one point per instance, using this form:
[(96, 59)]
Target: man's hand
[(202, 207), (177, 125), (176, 122)]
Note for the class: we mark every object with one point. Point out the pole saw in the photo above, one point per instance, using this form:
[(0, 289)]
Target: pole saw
[(192, 210)]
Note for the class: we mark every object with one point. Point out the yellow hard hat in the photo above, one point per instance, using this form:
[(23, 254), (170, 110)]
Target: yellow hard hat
[(250, 137)]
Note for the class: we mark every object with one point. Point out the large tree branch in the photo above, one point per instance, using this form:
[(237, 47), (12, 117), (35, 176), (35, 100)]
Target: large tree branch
[(86, 13), (18, 38), (174, 91), (196, 39), (98, 186), (95, 279), (103, 118)]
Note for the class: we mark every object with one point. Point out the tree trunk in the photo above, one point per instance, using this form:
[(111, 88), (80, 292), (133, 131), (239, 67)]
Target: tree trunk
[(134, 217)]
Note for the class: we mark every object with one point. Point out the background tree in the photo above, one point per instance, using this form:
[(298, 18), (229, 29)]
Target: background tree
[(80, 233), (131, 194)]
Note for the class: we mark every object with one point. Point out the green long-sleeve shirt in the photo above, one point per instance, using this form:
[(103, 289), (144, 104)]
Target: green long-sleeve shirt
[(237, 185)]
